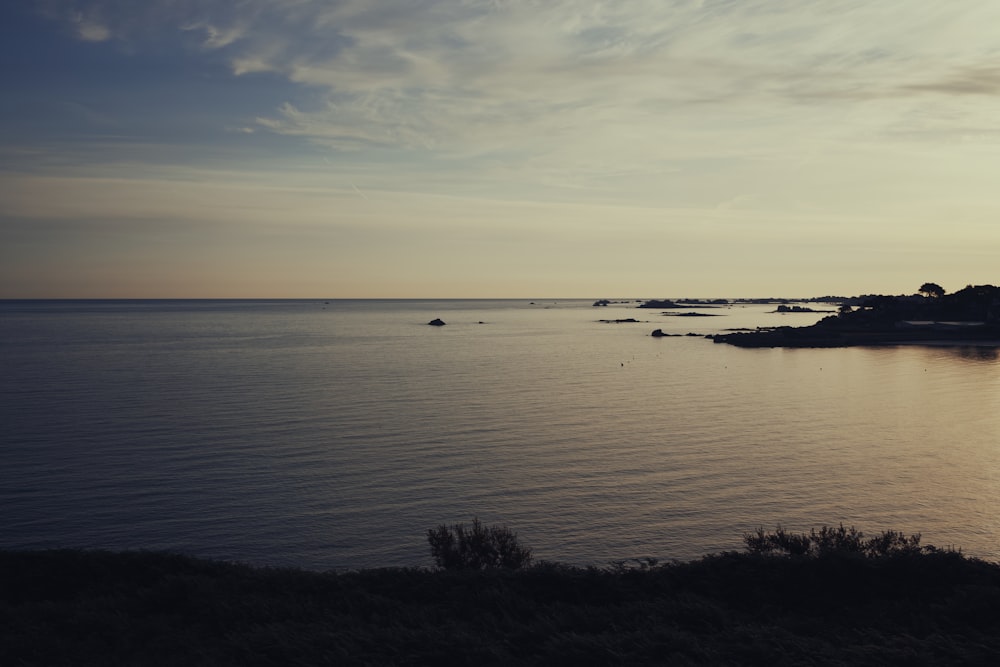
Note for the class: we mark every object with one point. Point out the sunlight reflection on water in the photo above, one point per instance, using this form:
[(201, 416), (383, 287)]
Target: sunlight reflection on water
[(334, 435)]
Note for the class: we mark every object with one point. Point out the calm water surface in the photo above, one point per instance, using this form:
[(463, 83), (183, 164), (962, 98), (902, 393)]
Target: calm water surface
[(334, 434)]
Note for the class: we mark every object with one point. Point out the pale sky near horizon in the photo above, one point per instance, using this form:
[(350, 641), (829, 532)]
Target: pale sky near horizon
[(458, 148)]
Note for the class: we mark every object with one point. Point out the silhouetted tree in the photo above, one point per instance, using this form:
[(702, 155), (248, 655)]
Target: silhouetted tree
[(477, 548), (932, 289)]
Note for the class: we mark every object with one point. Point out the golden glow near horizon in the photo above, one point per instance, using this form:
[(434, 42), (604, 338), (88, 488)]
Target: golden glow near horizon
[(486, 149)]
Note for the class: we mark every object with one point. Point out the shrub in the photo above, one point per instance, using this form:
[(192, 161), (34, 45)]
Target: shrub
[(477, 547), (779, 541), (624, 565), (829, 540), (840, 539), (890, 543)]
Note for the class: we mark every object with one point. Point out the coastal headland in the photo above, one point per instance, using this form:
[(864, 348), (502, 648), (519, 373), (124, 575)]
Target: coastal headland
[(970, 316)]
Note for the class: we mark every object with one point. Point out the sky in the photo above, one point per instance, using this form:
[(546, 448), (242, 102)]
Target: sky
[(465, 148)]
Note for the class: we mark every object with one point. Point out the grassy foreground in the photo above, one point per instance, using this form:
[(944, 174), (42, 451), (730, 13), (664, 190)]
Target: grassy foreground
[(91, 607)]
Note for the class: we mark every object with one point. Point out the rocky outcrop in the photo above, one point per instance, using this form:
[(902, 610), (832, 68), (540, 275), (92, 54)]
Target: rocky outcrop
[(967, 317), (659, 303), (795, 309)]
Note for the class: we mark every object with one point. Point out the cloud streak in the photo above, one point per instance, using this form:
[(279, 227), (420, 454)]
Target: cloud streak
[(754, 120), (480, 76)]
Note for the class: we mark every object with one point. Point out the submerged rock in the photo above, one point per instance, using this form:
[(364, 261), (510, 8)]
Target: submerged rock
[(436, 322)]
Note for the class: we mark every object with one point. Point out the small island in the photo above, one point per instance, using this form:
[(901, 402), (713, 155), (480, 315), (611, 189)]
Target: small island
[(970, 316), (797, 309), (664, 304)]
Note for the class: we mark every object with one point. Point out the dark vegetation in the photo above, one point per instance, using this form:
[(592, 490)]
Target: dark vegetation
[(831, 597), (663, 304), (477, 547), (971, 315)]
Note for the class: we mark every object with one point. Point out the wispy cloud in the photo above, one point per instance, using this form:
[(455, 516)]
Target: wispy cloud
[(982, 80), (90, 31), (573, 91), (478, 76), (378, 120)]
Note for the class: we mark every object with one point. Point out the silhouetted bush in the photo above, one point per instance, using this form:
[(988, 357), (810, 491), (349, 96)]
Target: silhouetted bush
[(779, 541), (934, 608), (477, 548), (839, 540)]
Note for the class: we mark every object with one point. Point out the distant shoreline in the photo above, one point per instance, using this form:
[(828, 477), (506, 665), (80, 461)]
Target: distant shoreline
[(803, 337), (969, 317)]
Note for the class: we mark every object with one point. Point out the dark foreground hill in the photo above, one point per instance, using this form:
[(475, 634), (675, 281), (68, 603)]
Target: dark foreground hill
[(101, 608)]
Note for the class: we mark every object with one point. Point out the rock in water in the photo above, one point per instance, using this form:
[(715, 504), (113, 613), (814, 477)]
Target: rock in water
[(436, 322)]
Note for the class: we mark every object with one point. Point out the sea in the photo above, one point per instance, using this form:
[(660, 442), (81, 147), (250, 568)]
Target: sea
[(332, 434)]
